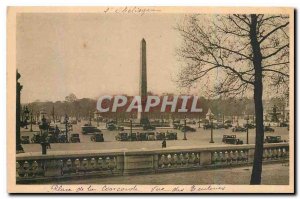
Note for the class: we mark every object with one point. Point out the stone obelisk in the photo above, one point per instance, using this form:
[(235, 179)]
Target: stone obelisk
[(142, 116)]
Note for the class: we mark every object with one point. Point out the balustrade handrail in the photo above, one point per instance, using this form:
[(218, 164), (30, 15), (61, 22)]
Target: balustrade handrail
[(92, 153)]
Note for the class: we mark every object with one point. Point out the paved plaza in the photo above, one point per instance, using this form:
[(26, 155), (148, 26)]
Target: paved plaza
[(200, 138)]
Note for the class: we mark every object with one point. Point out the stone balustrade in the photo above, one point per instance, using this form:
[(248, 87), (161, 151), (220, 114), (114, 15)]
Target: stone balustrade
[(32, 167)]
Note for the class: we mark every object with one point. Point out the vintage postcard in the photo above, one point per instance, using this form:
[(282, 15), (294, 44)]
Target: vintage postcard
[(150, 100)]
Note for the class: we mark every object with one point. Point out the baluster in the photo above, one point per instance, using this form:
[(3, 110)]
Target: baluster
[(192, 159), (34, 168), (161, 161), (181, 159), (222, 158), (198, 158), (243, 156), (215, 157), (176, 160), (26, 168), (187, 158), (107, 160), (236, 156), (275, 152), (84, 165), (112, 163), (226, 157), (100, 163), (271, 154), (266, 154), (279, 152), (169, 160), (231, 156), (77, 165), (93, 164), (17, 168)]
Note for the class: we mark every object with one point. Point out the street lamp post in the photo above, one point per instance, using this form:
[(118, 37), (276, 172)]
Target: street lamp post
[(97, 114), (184, 135), (211, 128), (66, 123), (130, 129), (247, 119), (26, 113), (19, 148), (31, 120), (90, 118)]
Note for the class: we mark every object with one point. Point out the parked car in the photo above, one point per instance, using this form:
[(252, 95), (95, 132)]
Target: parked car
[(239, 129), (74, 138), (268, 129), (97, 137), (171, 136), (74, 122), (90, 129), (177, 125), (61, 138), (231, 139), (273, 139), (148, 127), (151, 136), (283, 124), (249, 126), (187, 129), (51, 138), (37, 138), (208, 126), (113, 127), (160, 136), (122, 136), (25, 140), (221, 126)]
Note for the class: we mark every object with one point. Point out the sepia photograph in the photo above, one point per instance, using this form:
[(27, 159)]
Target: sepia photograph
[(150, 100)]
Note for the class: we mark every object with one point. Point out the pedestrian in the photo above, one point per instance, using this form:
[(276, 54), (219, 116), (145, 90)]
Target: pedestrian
[(164, 144)]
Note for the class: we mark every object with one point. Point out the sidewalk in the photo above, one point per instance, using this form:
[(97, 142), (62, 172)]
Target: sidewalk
[(273, 174)]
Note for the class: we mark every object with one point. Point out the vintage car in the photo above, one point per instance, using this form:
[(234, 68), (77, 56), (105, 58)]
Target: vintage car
[(74, 138), (239, 129), (61, 138), (51, 138), (37, 138), (113, 127), (160, 136), (148, 127), (171, 136), (122, 136), (231, 139), (249, 126), (74, 122), (51, 128), (208, 126), (221, 126), (268, 129), (150, 136), (177, 125), (25, 140), (89, 129), (273, 139), (187, 129), (97, 137), (283, 124)]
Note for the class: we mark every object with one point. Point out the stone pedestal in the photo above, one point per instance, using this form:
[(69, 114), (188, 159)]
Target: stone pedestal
[(138, 164), (205, 158)]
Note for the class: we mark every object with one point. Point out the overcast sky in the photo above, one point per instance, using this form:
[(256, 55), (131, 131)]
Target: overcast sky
[(94, 54)]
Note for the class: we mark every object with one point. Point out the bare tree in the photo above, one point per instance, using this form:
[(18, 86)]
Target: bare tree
[(243, 54)]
